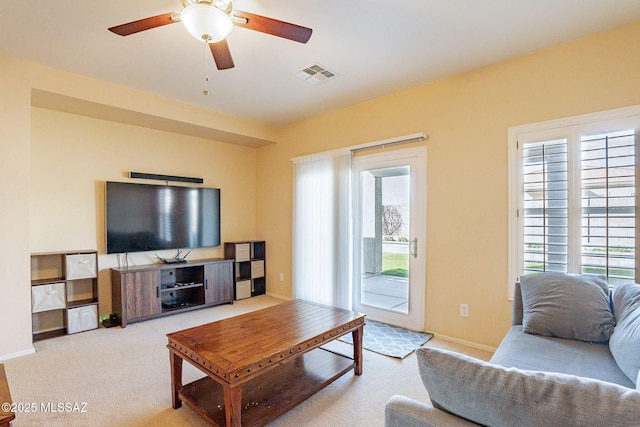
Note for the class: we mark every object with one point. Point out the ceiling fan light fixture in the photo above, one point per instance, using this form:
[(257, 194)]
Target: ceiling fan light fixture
[(206, 23)]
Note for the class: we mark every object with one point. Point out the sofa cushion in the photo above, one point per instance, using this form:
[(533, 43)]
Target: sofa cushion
[(570, 306), (493, 395), (553, 354), (625, 340), (405, 412)]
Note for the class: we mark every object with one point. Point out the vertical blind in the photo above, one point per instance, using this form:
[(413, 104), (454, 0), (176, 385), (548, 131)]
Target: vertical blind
[(606, 224), (321, 230)]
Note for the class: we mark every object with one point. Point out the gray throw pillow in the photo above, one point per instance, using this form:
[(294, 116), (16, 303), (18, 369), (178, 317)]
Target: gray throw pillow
[(574, 306), (625, 340), (493, 395)]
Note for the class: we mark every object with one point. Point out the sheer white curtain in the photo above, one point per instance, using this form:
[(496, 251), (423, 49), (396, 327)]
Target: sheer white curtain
[(322, 229)]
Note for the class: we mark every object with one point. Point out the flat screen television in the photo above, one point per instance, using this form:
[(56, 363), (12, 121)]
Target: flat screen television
[(145, 217)]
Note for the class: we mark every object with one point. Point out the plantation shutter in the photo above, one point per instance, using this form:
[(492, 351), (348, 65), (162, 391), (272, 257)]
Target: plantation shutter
[(572, 196), (545, 206), (608, 166)]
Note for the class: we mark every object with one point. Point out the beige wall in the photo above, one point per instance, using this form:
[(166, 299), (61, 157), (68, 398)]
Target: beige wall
[(466, 118), (72, 156), (53, 166), (15, 315)]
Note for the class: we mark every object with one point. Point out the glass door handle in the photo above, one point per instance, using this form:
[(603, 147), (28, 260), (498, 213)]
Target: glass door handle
[(413, 247)]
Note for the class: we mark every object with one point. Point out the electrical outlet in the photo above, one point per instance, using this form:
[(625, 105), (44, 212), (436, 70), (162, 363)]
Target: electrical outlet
[(282, 277), (464, 310)]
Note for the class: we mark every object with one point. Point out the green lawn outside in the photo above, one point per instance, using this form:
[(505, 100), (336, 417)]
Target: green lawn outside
[(395, 264), (615, 274)]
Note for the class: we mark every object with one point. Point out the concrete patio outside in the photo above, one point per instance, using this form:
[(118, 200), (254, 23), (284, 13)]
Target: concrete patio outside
[(386, 292)]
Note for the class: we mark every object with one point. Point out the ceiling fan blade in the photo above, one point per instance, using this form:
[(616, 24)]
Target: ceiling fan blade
[(273, 26), (222, 55), (144, 24)]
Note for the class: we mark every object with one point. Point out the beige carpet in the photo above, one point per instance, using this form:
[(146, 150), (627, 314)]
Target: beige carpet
[(123, 377)]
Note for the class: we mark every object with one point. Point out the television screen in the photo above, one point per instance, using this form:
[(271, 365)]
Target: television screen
[(144, 217)]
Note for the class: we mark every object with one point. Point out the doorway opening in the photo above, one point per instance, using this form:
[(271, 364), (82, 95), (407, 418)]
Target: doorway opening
[(389, 210)]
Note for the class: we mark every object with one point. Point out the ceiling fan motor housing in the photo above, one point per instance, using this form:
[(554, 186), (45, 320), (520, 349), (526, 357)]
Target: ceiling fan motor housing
[(224, 5)]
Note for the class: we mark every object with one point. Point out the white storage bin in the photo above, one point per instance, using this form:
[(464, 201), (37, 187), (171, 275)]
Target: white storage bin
[(257, 269), (82, 318), (243, 289), (47, 297), (243, 252), (81, 266)]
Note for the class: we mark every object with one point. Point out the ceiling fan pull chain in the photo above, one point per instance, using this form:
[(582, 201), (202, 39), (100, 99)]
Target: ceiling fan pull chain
[(206, 71)]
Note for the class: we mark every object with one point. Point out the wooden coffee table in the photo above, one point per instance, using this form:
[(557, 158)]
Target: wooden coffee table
[(261, 364)]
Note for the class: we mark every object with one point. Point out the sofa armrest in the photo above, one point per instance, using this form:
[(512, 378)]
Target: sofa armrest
[(518, 311), (401, 411)]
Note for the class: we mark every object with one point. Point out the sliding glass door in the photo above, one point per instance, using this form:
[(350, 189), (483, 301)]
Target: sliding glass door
[(389, 236)]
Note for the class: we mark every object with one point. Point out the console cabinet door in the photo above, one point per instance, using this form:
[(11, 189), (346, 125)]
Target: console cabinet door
[(142, 294), (218, 285)]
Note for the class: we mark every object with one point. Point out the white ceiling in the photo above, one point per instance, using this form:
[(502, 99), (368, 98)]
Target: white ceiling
[(376, 47)]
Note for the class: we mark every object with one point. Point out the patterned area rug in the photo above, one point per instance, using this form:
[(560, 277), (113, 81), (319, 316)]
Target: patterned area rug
[(390, 340)]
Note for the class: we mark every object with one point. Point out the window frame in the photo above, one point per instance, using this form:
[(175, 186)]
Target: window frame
[(571, 128)]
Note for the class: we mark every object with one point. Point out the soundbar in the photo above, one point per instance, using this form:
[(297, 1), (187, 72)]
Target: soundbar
[(143, 175)]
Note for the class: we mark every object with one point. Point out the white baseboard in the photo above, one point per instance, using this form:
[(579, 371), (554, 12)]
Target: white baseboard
[(17, 354), (271, 294), (467, 343)]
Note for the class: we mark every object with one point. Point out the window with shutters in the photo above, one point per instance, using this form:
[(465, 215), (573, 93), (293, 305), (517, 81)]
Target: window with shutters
[(572, 196), (608, 223), (545, 206)]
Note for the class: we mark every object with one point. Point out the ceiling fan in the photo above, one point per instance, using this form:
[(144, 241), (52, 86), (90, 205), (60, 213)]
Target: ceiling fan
[(211, 21)]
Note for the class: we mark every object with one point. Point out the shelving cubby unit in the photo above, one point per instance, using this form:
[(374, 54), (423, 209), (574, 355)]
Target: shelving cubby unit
[(64, 293), (249, 267)]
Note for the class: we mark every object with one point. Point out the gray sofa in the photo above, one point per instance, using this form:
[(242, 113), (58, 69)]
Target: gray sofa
[(571, 358)]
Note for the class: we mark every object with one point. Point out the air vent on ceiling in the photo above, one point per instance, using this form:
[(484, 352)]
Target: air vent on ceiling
[(315, 74)]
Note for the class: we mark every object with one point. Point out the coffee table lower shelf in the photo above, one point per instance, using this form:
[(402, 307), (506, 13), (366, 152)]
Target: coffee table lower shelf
[(267, 396)]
